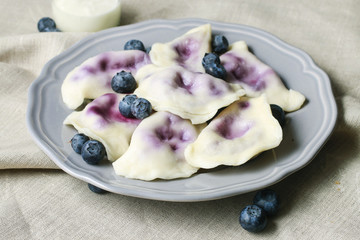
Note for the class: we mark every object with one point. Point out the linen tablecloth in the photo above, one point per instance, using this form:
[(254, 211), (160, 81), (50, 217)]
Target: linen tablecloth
[(321, 201)]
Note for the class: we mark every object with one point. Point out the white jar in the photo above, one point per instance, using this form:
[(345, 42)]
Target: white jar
[(86, 15)]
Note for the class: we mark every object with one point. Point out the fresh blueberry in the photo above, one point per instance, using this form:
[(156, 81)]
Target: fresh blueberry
[(141, 108), (78, 141), (51, 30), (46, 24), (216, 70), (278, 113), (96, 189), (212, 65), (268, 200), (219, 44), (123, 82), (125, 105), (253, 218), (93, 152), (210, 58), (134, 45)]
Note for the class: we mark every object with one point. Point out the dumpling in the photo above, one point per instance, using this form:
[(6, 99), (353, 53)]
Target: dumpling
[(256, 78), (190, 95), (102, 120), (240, 132), (186, 50), (157, 149), (93, 77)]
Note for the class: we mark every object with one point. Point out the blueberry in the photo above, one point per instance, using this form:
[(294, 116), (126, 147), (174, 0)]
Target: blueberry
[(268, 200), (46, 24), (93, 152), (278, 113), (78, 141), (219, 44), (216, 70), (51, 30), (123, 82), (96, 189), (148, 49), (210, 58), (141, 108), (134, 45), (212, 65), (253, 218), (125, 105)]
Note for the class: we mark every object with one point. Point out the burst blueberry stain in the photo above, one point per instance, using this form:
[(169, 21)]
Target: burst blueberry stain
[(244, 105), (239, 71), (106, 107), (230, 128), (185, 50), (164, 133), (184, 83), (103, 64), (116, 63)]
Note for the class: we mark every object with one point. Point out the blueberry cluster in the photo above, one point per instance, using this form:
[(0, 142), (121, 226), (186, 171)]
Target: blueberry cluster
[(47, 24), (133, 107), (254, 217), (92, 151), (211, 61)]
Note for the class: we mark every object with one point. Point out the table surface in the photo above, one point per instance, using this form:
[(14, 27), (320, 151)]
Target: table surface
[(321, 201)]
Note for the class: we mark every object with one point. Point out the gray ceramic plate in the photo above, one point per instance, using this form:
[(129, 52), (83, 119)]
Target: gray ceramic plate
[(305, 133)]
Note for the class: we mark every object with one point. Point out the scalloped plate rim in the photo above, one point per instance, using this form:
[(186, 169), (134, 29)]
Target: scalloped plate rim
[(155, 194)]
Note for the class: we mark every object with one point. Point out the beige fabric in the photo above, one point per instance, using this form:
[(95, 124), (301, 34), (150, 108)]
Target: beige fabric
[(321, 201)]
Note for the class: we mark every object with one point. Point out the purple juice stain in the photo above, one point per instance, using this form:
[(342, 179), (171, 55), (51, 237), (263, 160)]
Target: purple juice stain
[(106, 107), (241, 72), (89, 69), (169, 136), (244, 105), (214, 90), (227, 128), (186, 48), (107, 61), (164, 133), (103, 64), (183, 83)]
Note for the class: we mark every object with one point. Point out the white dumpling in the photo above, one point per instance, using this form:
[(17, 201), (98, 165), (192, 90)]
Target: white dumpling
[(102, 120), (157, 149), (93, 77), (240, 132), (256, 78), (186, 50), (190, 95)]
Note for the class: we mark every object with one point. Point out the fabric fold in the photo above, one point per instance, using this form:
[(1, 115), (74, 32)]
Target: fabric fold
[(21, 61)]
